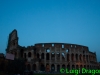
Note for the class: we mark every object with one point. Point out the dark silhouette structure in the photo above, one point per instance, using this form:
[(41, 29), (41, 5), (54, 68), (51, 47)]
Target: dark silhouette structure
[(56, 55)]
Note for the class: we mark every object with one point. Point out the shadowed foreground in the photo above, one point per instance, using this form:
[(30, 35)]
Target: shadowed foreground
[(65, 74)]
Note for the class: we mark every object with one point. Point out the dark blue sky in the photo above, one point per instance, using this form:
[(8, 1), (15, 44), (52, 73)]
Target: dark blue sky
[(39, 21)]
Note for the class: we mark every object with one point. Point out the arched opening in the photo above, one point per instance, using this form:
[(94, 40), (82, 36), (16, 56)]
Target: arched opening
[(58, 56), (42, 56), (47, 56), (53, 56), (77, 67), (68, 57), (63, 66), (83, 52), (72, 57), (37, 55), (52, 45), (76, 57), (87, 58), (42, 45), (52, 67), (63, 56), (14, 43), (84, 58), (29, 54), (71, 46), (81, 67), (28, 67), (24, 55), (34, 67), (58, 68), (62, 46), (47, 67), (42, 68), (67, 50), (68, 67), (87, 66), (73, 66), (80, 56), (47, 50)]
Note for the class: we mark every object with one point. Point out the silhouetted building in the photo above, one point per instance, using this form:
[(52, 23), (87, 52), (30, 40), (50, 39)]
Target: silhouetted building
[(56, 55)]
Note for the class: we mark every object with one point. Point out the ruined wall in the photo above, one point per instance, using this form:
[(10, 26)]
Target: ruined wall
[(56, 55), (59, 55)]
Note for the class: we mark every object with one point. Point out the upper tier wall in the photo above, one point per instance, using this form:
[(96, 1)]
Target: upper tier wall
[(61, 45)]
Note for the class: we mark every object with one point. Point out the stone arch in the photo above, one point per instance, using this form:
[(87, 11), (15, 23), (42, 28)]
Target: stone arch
[(42, 67), (37, 55), (72, 57), (67, 50), (76, 57), (87, 58), (34, 67), (47, 67), (68, 57), (63, 66), (52, 67), (58, 68), (58, 56), (77, 67), (68, 67), (47, 50), (29, 54), (87, 66), (47, 64), (52, 45), (29, 67), (53, 56), (42, 56), (80, 56), (81, 66), (47, 56), (73, 66), (63, 56), (83, 52), (84, 58)]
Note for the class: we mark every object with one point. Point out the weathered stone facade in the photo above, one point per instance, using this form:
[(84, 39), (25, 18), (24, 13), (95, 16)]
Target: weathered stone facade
[(56, 55)]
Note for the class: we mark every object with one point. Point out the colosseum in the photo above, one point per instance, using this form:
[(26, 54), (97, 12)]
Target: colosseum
[(53, 56)]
